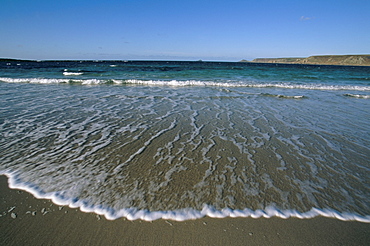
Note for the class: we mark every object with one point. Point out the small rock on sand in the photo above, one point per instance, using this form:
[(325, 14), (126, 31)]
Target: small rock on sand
[(13, 215)]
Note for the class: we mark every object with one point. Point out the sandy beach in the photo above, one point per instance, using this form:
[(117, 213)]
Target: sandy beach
[(28, 221)]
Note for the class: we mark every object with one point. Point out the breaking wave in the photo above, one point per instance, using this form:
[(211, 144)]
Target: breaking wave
[(72, 73), (358, 96), (183, 83)]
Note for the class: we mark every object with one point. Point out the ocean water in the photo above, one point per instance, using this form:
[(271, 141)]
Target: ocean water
[(184, 140)]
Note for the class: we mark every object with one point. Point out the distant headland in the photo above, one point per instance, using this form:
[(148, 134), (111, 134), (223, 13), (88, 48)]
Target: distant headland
[(343, 60)]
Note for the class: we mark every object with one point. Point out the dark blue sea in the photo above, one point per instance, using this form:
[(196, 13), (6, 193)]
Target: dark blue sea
[(184, 140)]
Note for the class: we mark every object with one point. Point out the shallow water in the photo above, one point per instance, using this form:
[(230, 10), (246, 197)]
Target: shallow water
[(254, 141)]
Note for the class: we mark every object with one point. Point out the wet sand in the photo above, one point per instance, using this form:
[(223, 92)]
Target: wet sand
[(28, 221)]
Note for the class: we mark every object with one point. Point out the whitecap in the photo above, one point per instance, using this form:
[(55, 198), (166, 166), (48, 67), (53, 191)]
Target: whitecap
[(72, 73), (34, 80), (357, 96)]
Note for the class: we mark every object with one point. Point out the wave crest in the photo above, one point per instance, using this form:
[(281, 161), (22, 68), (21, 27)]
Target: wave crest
[(358, 96), (72, 73), (183, 83)]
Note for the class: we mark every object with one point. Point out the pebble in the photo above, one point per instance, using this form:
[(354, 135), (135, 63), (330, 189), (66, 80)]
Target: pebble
[(13, 215), (44, 211), (169, 223)]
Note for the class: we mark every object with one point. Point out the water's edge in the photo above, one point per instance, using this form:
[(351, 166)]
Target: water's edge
[(178, 215)]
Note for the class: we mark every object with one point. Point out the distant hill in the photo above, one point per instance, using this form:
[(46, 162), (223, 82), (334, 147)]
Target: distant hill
[(344, 60)]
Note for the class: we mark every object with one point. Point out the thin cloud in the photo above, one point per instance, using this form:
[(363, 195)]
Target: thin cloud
[(306, 18)]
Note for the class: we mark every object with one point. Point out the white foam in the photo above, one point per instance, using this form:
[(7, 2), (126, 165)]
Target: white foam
[(72, 73), (357, 96), (51, 81), (181, 214), (90, 81), (183, 83), (245, 84), (34, 80), (284, 96)]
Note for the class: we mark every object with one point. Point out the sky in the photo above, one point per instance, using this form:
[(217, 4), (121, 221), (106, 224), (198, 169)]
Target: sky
[(216, 30)]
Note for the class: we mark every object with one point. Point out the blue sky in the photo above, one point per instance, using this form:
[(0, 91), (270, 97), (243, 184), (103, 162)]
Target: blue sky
[(182, 30)]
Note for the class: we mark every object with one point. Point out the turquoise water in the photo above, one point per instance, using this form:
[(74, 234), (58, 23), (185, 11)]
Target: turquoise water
[(183, 140)]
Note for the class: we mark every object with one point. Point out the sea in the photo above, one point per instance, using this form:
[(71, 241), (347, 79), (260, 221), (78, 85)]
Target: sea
[(182, 140)]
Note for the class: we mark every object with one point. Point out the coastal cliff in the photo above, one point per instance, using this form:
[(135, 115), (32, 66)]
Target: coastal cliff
[(344, 60)]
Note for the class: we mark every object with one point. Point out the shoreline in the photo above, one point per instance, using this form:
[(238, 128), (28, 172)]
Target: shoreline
[(27, 220), (182, 214), (329, 60)]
